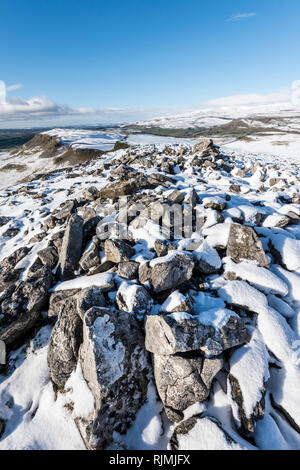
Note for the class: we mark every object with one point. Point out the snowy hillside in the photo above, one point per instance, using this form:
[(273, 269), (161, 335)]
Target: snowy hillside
[(149, 296), (272, 128)]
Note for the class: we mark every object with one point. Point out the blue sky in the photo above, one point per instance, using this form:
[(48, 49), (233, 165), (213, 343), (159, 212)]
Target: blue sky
[(142, 55)]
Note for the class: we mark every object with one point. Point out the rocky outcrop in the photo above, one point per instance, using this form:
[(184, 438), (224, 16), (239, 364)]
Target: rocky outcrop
[(71, 248), (66, 337), (183, 315), (116, 369), (8, 271), (48, 145), (21, 305)]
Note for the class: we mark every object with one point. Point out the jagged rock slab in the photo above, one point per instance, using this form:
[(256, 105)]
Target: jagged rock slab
[(244, 243), (212, 332), (71, 248), (66, 336), (115, 366)]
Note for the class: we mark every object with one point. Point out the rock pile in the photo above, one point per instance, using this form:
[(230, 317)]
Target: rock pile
[(182, 312)]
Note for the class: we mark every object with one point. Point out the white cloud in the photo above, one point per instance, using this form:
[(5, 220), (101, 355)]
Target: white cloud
[(16, 86), (241, 16), (37, 109), (2, 93), (13, 108), (252, 99)]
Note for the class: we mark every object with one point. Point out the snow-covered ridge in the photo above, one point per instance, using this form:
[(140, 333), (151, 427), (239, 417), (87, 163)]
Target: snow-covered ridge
[(216, 116), (83, 138)]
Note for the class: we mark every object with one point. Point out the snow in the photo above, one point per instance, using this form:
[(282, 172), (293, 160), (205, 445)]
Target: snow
[(281, 306), (207, 435), (278, 336), (273, 220), (249, 365), (97, 280), (147, 431), (242, 294), (173, 302), (204, 301), (268, 435), (36, 418), (217, 235), (289, 250), (84, 138), (216, 317), (209, 255), (138, 139), (261, 278), (79, 394)]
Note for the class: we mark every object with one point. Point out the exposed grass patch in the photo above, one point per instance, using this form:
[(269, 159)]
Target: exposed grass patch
[(13, 167), (120, 145)]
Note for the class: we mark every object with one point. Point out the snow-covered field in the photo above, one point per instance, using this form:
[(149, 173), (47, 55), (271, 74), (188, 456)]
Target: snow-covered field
[(260, 189), (285, 146)]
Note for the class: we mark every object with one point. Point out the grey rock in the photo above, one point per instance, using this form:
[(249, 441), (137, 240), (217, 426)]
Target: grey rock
[(178, 381), (71, 248), (170, 271), (243, 243), (101, 268), (60, 301), (118, 251), (48, 256), (128, 270), (134, 299), (161, 247), (166, 336), (66, 338), (89, 228), (64, 343), (65, 210), (88, 298), (116, 369), (90, 257), (217, 206), (211, 367), (192, 198), (235, 188), (274, 181), (8, 272), (176, 197), (124, 188), (4, 220), (21, 305), (202, 146), (144, 273)]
